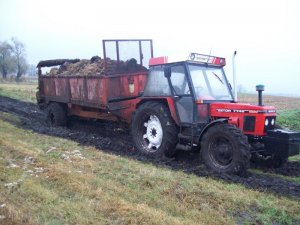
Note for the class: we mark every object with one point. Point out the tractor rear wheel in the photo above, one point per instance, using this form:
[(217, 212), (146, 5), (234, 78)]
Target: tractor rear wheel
[(153, 130), (56, 114), (225, 149)]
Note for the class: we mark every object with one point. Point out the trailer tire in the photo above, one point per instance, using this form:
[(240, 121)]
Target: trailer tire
[(154, 131), (225, 149), (56, 114)]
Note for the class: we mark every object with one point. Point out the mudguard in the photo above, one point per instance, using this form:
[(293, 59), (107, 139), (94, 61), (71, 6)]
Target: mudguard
[(224, 120)]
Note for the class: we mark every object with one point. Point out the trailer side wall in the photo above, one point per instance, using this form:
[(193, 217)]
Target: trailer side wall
[(91, 91)]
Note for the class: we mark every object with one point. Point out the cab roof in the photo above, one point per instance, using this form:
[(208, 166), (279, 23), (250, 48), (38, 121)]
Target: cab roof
[(193, 58)]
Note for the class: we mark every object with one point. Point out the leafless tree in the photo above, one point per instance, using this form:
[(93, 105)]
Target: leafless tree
[(6, 59), (20, 57)]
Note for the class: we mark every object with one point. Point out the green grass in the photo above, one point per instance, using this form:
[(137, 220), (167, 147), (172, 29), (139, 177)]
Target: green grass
[(109, 189), (269, 212), (289, 119), (295, 158), (20, 91)]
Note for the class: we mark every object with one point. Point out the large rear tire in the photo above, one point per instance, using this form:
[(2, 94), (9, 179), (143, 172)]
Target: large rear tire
[(56, 114), (153, 130), (225, 149)]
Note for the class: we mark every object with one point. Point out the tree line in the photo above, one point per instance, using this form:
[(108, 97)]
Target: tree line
[(13, 58)]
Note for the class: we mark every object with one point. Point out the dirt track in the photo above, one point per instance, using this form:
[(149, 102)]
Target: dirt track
[(109, 137)]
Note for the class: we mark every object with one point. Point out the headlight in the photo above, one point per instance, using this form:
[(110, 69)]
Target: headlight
[(266, 122), (273, 122)]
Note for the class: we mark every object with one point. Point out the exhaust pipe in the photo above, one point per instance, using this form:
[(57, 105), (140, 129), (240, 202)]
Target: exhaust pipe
[(234, 77), (260, 88)]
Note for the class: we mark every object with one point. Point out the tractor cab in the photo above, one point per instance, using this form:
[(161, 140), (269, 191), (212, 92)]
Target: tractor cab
[(193, 84)]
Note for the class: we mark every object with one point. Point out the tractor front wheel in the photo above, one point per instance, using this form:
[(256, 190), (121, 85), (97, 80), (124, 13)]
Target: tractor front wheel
[(153, 130), (225, 149)]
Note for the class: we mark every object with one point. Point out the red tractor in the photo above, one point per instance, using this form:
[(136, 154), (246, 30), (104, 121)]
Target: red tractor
[(185, 105)]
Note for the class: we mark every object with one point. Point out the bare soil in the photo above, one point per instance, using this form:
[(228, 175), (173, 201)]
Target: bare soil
[(109, 137)]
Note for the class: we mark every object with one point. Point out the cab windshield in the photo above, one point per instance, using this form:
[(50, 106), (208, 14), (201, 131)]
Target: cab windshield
[(210, 83)]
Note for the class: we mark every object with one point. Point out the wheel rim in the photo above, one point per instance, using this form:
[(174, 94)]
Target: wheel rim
[(154, 133), (221, 152)]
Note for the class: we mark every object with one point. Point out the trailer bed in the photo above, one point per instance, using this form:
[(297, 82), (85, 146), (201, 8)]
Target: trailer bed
[(90, 91)]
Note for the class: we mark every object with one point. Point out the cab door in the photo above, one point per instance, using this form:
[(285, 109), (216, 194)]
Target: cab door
[(181, 92)]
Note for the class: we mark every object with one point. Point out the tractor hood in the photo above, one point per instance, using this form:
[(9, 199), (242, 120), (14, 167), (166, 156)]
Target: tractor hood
[(251, 119), (224, 109)]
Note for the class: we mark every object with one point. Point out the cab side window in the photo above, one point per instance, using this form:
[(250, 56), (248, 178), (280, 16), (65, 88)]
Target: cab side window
[(157, 84), (179, 80)]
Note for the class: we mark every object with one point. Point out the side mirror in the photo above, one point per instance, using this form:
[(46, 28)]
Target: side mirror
[(167, 72)]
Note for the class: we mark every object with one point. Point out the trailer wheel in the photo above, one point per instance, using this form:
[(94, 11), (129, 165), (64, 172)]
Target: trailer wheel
[(153, 130), (225, 149), (56, 114)]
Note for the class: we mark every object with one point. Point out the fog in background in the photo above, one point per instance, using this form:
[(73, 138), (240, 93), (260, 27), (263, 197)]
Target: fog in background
[(266, 34)]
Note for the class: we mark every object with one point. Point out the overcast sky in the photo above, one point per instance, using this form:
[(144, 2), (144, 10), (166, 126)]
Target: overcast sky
[(266, 34)]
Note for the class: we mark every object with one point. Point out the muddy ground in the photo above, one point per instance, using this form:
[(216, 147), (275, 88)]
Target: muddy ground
[(107, 136)]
